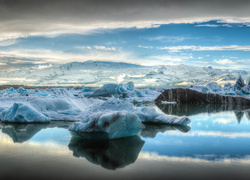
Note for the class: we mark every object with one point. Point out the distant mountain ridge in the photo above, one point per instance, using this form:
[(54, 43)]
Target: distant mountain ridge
[(97, 73)]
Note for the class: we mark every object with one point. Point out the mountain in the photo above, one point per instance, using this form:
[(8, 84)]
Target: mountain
[(97, 73)]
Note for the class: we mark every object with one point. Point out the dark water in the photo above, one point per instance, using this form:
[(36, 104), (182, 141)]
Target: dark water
[(215, 146)]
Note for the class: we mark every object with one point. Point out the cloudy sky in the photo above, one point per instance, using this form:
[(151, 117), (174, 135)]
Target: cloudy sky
[(147, 32)]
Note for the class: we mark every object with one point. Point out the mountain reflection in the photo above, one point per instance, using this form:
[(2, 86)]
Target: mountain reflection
[(110, 154), (23, 132), (152, 129), (190, 109), (247, 113)]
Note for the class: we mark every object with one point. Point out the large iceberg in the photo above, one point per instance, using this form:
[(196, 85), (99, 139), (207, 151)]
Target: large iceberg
[(145, 114), (112, 124), (119, 118), (23, 113)]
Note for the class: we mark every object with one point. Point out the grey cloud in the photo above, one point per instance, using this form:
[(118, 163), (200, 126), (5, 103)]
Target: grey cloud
[(25, 17)]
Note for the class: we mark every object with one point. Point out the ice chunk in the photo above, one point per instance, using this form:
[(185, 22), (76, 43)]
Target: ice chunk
[(12, 90), (239, 83), (213, 86), (23, 113), (118, 90), (106, 90), (115, 124), (244, 91), (22, 91)]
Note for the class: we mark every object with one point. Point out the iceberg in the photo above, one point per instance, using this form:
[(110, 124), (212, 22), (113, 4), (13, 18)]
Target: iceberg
[(239, 83), (22, 113), (113, 124), (117, 118), (213, 86)]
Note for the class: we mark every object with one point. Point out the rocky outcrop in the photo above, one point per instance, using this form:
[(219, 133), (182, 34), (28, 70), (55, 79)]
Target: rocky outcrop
[(188, 96)]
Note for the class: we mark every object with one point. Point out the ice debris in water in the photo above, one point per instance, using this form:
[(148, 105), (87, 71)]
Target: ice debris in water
[(22, 113), (114, 124)]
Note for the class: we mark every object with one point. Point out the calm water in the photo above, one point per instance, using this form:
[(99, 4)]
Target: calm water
[(216, 145)]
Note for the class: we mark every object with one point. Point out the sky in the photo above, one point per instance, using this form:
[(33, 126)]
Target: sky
[(40, 33)]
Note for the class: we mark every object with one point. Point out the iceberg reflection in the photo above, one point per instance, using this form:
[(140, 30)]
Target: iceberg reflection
[(151, 130), (110, 154), (23, 132), (191, 109)]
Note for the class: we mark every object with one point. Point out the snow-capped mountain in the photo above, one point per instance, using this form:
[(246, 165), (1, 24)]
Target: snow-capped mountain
[(97, 73)]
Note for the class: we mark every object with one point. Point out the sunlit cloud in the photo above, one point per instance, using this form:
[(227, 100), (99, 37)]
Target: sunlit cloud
[(38, 56), (224, 61)]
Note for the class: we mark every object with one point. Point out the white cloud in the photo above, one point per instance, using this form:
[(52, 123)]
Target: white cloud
[(165, 58), (146, 47), (103, 48), (224, 61), (206, 48), (202, 62), (172, 39), (213, 25), (83, 47), (49, 56), (207, 25), (7, 42)]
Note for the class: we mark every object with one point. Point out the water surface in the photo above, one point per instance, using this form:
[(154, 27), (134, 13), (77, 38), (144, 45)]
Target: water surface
[(215, 145)]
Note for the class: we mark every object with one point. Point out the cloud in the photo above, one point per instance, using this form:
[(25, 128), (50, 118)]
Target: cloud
[(172, 39), (41, 56), (213, 25), (206, 48), (207, 25), (224, 61), (164, 58), (43, 17), (103, 48), (146, 47), (7, 42)]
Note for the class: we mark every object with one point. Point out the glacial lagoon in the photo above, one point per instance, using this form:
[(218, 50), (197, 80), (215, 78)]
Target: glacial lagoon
[(215, 145)]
